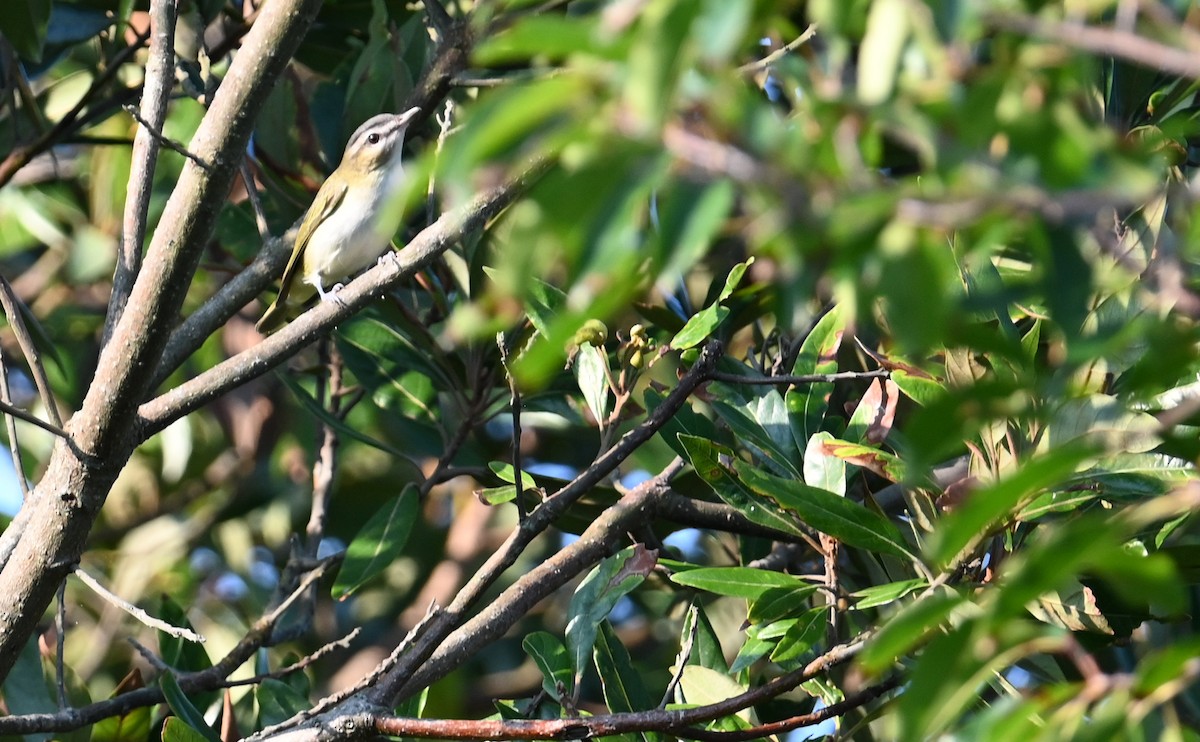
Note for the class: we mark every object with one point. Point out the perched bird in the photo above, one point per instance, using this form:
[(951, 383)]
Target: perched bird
[(347, 227)]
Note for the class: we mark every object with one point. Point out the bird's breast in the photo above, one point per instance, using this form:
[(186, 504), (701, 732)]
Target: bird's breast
[(349, 240)]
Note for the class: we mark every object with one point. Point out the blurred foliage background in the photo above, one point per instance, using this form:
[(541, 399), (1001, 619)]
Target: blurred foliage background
[(993, 203)]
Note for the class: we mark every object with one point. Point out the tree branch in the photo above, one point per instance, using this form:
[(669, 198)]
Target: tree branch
[(103, 432), (156, 90), (1110, 42), (392, 688), (675, 721), (392, 268)]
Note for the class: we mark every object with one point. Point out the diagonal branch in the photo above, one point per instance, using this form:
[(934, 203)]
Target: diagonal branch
[(391, 269), (392, 688)]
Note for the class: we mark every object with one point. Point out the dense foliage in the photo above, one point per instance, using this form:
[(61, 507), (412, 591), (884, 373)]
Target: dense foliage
[(750, 366)]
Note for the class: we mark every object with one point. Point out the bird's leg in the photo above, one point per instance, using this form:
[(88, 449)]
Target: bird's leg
[(331, 294)]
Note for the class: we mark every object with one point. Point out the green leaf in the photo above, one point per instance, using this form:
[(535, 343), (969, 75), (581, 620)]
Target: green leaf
[(183, 709), (594, 599), (702, 324), (378, 542), (590, 368), (506, 473), (179, 653), (702, 686), (25, 689), (338, 424), (908, 628), (920, 389), (699, 327), (384, 359), (549, 654), (132, 726), (987, 505), (878, 595), (24, 24), (544, 302), (177, 730), (807, 404), (821, 469), (871, 458), (737, 582), (806, 633), (278, 702), (831, 514), (780, 602), (706, 646), (752, 432), (550, 37), (705, 457), (623, 688)]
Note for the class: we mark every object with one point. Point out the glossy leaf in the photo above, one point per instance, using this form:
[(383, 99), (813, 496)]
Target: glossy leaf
[(377, 544), (623, 688), (594, 599), (828, 513), (737, 582), (551, 658), (808, 403), (181, 705), (705, 456), (278, 702)]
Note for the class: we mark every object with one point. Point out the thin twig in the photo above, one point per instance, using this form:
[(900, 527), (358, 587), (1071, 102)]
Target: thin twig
[(325, 467), (298, 665), (681, 659), (445, 121), (370, 679), (20, 414), (33, 356), (14, 446), (60, 643), (799, 380), (779, 53), (154, 623), (260, 216), (169, 143), (149, 655)]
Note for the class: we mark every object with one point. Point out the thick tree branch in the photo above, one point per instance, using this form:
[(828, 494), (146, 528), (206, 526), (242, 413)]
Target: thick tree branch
[(156, 90), (598, 541), (103, 433), (388, 691)]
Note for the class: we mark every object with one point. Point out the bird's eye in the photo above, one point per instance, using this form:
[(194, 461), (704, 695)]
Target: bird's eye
[(373, 138)]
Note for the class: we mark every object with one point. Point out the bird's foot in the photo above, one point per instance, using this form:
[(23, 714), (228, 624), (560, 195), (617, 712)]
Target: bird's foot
[(332, 294)]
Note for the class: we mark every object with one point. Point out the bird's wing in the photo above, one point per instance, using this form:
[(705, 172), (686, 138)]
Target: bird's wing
[(328, 198), (326, 202)]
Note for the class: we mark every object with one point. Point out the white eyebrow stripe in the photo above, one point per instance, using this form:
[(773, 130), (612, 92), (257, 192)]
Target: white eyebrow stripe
[(383, 128)]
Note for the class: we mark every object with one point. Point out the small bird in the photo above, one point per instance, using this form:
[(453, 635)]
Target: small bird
[(350, 222)]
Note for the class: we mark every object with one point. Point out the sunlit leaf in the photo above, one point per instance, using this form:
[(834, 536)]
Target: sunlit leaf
[(377, 544)]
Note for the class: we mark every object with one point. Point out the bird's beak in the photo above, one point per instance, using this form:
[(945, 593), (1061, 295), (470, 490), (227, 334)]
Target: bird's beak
[(402, 119)]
